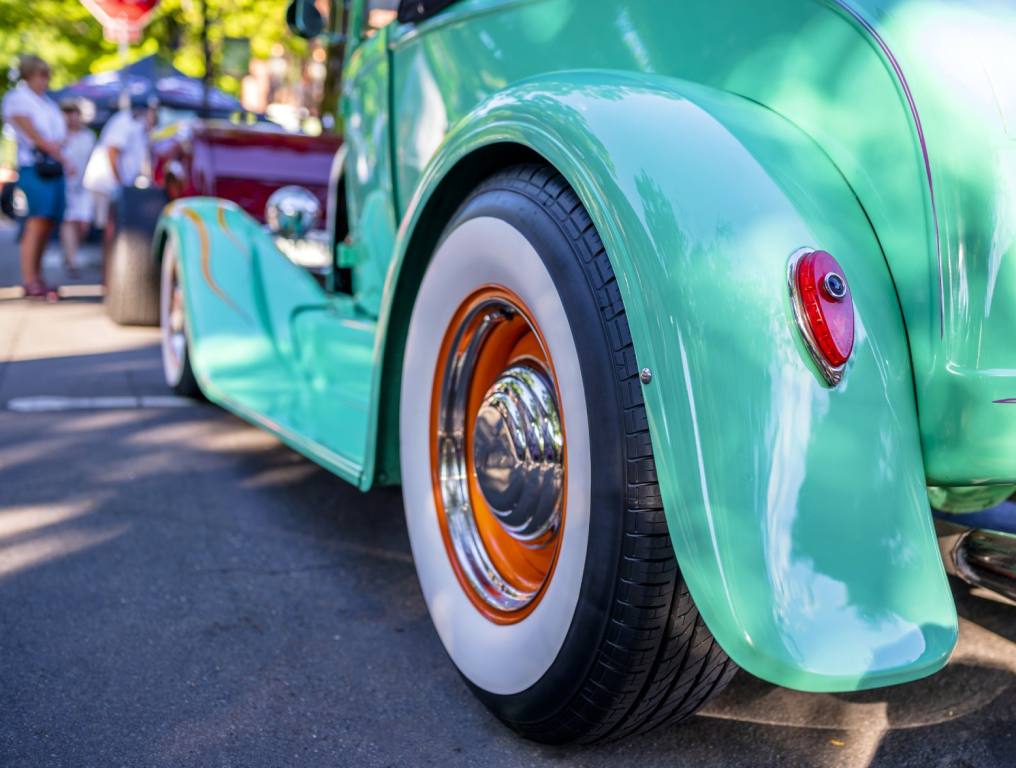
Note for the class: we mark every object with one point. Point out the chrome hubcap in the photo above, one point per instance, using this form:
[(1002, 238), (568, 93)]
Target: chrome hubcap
[(518, 455), (517, 452)]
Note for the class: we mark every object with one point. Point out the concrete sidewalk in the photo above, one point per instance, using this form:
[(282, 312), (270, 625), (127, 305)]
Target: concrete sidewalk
[(88, 260), (52, 341)]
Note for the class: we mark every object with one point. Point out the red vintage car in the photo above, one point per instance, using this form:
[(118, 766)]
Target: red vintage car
[(244, 164), (215, 158)]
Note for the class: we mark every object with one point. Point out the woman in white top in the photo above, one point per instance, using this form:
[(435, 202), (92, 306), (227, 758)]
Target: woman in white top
[(40, 131), (79, 212)]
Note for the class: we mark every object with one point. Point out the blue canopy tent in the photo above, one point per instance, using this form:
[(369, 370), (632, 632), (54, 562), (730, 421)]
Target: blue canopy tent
[(150, 76)]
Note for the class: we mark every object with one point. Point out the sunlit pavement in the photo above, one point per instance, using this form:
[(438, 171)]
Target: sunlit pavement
[(178, 589)]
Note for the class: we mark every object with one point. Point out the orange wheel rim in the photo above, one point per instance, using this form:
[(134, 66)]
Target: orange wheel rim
[(495, 397)]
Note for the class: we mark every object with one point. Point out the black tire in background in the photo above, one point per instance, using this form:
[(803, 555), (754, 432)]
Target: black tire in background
[(132, 286), (637, 654), (132, 274)]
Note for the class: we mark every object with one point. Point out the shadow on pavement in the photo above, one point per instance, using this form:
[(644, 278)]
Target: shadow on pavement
[(177, 589), (134, 371)]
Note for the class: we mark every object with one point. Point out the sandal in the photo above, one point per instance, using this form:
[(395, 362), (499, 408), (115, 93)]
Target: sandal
[(39, 290), (36, 289)]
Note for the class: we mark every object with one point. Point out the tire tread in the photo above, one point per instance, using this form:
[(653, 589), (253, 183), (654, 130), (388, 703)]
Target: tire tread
[(132, 281), (657, 663)]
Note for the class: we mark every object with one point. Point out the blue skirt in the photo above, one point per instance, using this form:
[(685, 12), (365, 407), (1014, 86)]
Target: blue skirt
[(46, 197)]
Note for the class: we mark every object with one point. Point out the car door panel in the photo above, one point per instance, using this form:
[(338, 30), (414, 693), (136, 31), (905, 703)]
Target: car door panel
[(370, 194)]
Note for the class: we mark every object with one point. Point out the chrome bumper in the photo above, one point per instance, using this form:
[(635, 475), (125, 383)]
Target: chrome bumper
[(981, 558)]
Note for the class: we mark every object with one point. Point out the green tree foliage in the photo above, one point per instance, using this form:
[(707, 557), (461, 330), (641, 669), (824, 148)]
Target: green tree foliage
[(176, 31), (65, 34), (61, 31)]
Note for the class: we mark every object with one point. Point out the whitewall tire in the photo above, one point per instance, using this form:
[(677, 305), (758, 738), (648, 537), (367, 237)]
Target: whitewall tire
[(176, 364), (528, 477)]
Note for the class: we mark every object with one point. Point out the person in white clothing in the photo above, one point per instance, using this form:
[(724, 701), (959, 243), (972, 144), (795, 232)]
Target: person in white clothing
[(40, 131), (124, 142), (124, 139), (78, 215)]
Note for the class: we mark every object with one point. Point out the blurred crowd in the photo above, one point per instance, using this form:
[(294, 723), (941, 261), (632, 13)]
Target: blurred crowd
[(70, 180)]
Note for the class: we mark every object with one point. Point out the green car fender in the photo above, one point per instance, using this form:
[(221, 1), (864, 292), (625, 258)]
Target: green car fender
[(222, 307), (798, 512), (239, 337)]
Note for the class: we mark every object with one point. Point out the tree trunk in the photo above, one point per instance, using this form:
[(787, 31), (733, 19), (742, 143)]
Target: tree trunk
[(332, 89)]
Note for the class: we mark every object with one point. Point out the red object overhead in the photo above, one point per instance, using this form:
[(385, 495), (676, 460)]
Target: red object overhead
[(131, 15)]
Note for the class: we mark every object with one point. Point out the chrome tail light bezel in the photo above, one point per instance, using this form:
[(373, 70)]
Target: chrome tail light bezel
[(832, 374)]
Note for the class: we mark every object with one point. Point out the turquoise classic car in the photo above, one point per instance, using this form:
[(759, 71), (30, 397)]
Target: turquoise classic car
[(667, 317)]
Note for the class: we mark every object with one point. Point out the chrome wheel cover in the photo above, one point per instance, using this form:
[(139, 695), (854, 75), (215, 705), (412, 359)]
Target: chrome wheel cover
[(518, 452)]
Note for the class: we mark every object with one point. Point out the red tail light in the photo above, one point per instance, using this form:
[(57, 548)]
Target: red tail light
[(824, 310)]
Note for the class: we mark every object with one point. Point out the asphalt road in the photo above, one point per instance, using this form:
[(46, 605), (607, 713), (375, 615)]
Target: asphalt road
[(179, 589)]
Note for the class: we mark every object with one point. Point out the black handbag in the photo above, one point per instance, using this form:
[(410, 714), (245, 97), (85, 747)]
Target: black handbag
[(47, 166)]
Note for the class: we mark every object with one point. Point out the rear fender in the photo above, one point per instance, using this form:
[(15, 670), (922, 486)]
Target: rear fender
[(798, 513)]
